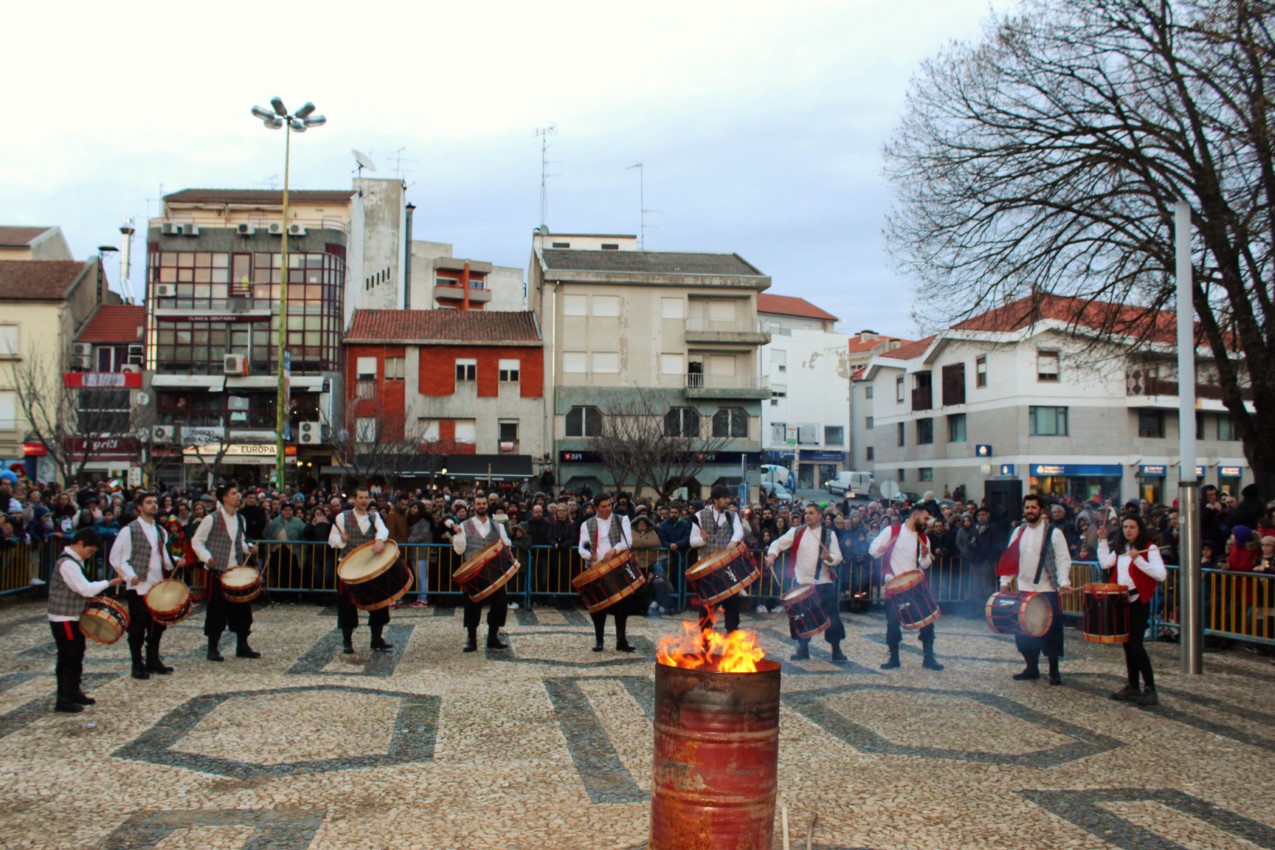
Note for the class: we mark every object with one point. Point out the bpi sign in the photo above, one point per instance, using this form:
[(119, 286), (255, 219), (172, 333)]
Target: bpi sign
[(104, 448)]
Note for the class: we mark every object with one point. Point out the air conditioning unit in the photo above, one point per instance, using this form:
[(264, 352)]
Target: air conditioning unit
[(246, 229), (136, 355), (164, 434), (131, 367), (311, 433), (190, 230), (296, 230), (82, 349), (170, 228), (235, 364), (82, 362), (239, 305), (276, 228), (165, 290)]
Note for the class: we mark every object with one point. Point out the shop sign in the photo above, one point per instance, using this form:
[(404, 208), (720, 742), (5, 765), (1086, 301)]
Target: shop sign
[(1153, 470), (1007, 469), (34, 450), (103, 380), (983, 450), (1077, 470), (104, 448), (1230, 472), (232, 450)]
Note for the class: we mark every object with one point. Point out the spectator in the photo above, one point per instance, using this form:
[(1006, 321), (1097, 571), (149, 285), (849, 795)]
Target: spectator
[(1243, 550)]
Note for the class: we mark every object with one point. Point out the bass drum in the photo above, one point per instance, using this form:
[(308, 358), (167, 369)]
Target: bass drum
[(169, 601), (374, 580), (104, 620)]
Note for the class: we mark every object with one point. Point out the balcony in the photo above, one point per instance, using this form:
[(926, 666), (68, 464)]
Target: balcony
[(729, 332), (726, 386), (450, 292), (923, 398), (1140, 384)]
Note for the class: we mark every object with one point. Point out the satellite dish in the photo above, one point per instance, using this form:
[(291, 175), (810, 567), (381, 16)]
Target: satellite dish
[(363, 160), (889, 488)]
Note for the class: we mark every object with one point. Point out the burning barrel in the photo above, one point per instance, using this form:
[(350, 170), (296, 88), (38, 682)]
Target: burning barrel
[(716, 757)]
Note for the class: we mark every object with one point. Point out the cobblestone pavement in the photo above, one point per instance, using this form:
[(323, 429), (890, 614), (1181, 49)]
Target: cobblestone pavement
[(549, 745)]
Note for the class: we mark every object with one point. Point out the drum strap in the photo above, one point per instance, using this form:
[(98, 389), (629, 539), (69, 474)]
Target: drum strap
[(1047, 564)]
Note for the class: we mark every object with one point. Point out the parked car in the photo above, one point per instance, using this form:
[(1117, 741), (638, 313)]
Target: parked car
[(850, 481), (778, 491)]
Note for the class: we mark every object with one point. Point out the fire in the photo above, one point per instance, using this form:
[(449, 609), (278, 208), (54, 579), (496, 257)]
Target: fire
[(699, 646)]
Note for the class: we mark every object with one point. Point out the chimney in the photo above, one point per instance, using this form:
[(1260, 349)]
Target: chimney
[(464, 286)]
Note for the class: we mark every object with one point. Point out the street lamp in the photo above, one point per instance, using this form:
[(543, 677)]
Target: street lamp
[(275, 118)]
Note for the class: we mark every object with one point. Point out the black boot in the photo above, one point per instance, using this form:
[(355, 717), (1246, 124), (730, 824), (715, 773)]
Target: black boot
[(621, 642), (139, 666), (347, 641), (214, 654), (493, 639), (154, 663), (243, 650), (471, 643), (378, 643), (1055, 677), (68, 705), (836, 652), (1031, 671), (803, 650), (931, 663), (893, 662)]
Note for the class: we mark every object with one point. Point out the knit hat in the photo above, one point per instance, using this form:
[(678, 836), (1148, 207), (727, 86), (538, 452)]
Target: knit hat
[(1243, 534)]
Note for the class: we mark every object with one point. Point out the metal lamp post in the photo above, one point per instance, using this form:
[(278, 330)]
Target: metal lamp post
[(278, 118)]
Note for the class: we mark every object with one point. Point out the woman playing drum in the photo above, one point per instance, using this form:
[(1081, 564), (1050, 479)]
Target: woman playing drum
[(1138, 567), (600, 536)]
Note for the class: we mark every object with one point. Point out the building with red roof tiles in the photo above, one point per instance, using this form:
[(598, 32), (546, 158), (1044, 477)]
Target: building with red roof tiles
[(1042, 390), (794, 309), (33, 243)]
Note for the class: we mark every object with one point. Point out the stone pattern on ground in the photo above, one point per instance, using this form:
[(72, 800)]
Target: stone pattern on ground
[(549, 746)]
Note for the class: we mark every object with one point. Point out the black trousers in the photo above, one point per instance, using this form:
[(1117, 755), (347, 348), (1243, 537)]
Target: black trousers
[(70, 664), (223, 614), (831, 605), (894, 634), (497, 609), (142, 628), (1051, 642), (730, 606), (347, 616), (620, 611), (1136, 661)]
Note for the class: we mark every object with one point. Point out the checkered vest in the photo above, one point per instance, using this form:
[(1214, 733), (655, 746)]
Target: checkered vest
[(615, 535), (225, 552), (140, 557), (474, 543), (353, 536), (715, 536), (63, 601)]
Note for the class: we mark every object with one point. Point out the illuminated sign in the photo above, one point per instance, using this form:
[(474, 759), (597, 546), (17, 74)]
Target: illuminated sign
[(983, 450), (1230, 471)]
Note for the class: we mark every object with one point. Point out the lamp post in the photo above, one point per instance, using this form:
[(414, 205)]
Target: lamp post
[(275, 118)]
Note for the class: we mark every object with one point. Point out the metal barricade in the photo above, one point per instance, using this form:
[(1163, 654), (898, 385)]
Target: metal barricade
[(22, 562), (1236, 605)]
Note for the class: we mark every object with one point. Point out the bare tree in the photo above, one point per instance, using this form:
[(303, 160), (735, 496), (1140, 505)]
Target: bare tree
[(1046, 158), (389, 450)]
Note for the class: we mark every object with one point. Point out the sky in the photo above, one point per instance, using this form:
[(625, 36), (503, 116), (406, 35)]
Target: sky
[(759, 125)]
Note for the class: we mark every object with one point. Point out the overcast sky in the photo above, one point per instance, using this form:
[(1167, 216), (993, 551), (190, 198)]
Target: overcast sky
[(760, 125)]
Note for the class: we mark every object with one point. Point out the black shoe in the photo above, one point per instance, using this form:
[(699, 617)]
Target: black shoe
[(471, 645), (1148, 697), (802, 653), (1127, 694), (1055, 678), (625, 646), (891, 664), (139, 672), (347, 648), (597, 647), (68, 706), (214, 654), (83, 699), (381, 646), (157, 665), (494, 642), (838, 655), (246, 651), (1028, 675), (931, 663)]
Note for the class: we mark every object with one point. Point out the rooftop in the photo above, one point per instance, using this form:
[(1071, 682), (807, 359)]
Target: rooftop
[(791, 305), (264, 197), (649, 262), (908, 350), (114, 323), (1119, 319), (38, 280), (20, 237), (443, 326)]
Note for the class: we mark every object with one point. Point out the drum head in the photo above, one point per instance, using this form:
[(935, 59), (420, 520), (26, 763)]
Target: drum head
[(98, 626), (900, 583), (1037, 615), (167, 595), (240, 577), (474, 564), (363, 564), (715, 561), (797, 594)]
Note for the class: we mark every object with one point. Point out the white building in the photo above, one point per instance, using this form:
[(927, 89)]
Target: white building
[(807, 364)]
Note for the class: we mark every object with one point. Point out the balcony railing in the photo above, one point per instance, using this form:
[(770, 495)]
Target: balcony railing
[(1141, 384), (727, 386), (732, 330), (923, 398)]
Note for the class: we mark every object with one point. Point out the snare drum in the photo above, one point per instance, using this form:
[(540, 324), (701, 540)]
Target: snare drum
[(168, 601), (241, 584), (1010, 613), (609, 580), (487, 572), (104, 620), (374, 580), (723, 574), (1106, 617), (910, 595), (805, 615)]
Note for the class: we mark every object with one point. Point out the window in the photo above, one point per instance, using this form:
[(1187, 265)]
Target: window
[(808, 435), (466, 370), (777, 391), (867, 391), (922, 391), (394, 368), (1047, 366), (926, 473), (584, 422), (509, 371), (509, 431), (1151, 423), (870, 453), (730, 422), (104, 411), (610, 246), (365, 429), (606, 362), (1199, 425), (575, 305), (672, 308), (366, 369), (606, 305), (980, 371), (9, 340), (924, 432), (681, 422), (869, 423), (834, 435), (779, 358), (429, 430), (8, 411), (672, 364), (898, 389), (778, 433), (1047, 421), (902, 435), (561, 244), (902, 474), (954, 383), (466, 431), (956, 428), (575, 361), (1226, 427)]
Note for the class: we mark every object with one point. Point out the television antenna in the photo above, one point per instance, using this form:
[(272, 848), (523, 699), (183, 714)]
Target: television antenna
[(544, 133), (642, 210), (363, 161)]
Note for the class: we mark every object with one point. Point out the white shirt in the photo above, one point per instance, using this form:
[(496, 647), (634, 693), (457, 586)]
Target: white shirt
[(200, 541), (1030, 538), (596, 550), (337, 534), (72, 572), (482, 526), (907, 554), (719, 518), (808, 555), (1151, 564), (122, 552)]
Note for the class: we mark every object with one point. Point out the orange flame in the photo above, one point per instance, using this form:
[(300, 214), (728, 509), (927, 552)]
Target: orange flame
[(699, 646)]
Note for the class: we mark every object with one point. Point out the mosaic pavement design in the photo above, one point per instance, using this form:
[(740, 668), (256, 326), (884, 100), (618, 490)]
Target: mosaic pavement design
[(548, 745)]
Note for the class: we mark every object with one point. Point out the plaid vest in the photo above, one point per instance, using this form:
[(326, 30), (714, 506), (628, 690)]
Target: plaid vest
[(353, 536), (225, 552), (474, 543), (63, 601), (715, 536), (140, 557), (615, 535)]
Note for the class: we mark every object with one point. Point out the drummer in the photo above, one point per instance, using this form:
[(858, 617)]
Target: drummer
[(715, 528), (468, 539), (140, 556), (1038, 557), (903, 548), (67, 590), (221, 543), (816, 552), (1137, 566), (350, 530), (600, 535)]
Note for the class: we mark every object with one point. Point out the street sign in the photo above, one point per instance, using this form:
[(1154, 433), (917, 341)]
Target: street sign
[(983, 450)]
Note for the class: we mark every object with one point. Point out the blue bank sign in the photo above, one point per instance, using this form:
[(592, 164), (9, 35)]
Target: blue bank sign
[(1077, 470)]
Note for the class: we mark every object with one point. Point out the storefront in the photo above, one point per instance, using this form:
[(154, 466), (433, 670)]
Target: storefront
[(107, 458), (814, 467), (246, 464), (1230, 479), (1077, 481)]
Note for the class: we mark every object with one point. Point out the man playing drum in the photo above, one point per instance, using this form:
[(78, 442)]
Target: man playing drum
[(140, 557), (350, 530), (1038, 557), (68, 589), (221, 543), (714, 528), (815, 553), (600, 535), (902, 548), (468, 539)]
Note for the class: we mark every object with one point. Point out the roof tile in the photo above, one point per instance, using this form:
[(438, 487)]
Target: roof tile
[(424, 326), (20, 237), (38, 280), (791, 305), (114, 323), (649, 262)]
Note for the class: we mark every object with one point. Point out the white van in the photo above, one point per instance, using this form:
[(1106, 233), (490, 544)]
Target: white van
[(850, 483)]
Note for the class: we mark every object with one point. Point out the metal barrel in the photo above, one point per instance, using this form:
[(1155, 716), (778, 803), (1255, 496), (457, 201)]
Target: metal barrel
[(716, 759)]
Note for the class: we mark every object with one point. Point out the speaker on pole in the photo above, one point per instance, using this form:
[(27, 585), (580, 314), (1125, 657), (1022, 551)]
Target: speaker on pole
[(1004, 499)]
